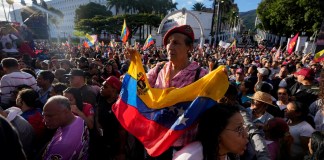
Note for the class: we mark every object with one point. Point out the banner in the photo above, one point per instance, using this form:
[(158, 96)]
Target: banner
[(223, 44)]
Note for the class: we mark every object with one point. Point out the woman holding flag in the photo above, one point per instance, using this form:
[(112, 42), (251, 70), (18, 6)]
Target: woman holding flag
[(178, 72)]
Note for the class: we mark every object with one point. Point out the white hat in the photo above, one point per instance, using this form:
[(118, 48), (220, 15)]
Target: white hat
[(263, 71)]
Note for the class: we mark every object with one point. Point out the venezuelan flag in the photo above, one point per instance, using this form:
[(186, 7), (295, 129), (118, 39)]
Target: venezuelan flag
[(149, 41), (158, 117), (89, 40), (319, 56), (124, 32)]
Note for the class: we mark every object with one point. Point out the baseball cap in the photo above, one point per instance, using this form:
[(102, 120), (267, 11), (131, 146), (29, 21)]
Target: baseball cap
[(263, 71), (114, 82), (239, 70), (184, 29), (307, 72)]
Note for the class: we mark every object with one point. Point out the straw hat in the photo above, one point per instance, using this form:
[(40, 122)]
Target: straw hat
[(262, 97)]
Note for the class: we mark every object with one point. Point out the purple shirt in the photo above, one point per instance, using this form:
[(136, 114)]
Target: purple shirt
[(181, 79), (69, 143)]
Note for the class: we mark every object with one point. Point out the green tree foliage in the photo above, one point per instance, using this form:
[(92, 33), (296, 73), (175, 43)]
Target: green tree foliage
[(248, 19), (142, 12), (114, 24), (160, 7), (228, 12), (290, 16), (91, 10), (198, 7)]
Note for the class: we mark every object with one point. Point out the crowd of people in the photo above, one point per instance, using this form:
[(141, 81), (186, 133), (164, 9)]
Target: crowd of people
[(57, 104)]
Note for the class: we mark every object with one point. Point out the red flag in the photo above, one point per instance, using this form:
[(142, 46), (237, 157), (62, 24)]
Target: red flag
[(292, 44)]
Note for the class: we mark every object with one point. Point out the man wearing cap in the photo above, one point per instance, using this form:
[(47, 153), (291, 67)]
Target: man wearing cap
[(304, 88), (178, 72), (259, 104), (239, 76), (78, 80), (263, 75), (110, 138)]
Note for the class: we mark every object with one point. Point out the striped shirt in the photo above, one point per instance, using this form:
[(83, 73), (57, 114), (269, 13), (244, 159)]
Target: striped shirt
[(9, 83)]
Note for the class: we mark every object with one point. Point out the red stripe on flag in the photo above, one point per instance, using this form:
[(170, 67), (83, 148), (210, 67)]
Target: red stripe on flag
[(135, 123)]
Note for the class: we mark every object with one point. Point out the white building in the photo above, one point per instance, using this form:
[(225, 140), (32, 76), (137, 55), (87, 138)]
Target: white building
[(68, 7), (205, 19)]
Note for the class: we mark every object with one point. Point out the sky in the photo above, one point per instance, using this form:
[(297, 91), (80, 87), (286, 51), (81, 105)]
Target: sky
[(244, 5)]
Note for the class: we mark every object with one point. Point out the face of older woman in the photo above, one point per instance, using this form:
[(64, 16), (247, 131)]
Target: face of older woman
[(233, 138), (177, 48)]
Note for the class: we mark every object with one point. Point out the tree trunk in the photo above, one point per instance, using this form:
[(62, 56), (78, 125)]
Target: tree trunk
[(140, 33), (150, 29)]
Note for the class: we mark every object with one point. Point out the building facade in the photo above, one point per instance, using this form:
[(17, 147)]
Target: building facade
[(68, 7)]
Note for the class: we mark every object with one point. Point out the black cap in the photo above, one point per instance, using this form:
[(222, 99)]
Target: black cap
[(76, 72), (234, 66)]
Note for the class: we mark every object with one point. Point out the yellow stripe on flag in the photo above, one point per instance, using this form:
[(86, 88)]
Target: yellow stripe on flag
[(213, 85)]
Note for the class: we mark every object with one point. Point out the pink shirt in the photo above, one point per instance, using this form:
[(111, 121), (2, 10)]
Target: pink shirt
[(181, 79)]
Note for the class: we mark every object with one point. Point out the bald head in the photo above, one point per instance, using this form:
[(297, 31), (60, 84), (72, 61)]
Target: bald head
[(60, 101), (57, 112)]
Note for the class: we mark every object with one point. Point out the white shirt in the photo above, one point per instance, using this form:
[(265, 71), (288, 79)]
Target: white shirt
[(192, 151), (302, 129)]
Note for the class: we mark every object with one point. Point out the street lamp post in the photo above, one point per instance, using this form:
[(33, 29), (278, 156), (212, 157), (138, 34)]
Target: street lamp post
[(218, 21), (212, 39), (5, 13)]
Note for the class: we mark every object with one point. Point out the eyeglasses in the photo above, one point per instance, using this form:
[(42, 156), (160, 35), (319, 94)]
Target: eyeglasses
[(240, 130)]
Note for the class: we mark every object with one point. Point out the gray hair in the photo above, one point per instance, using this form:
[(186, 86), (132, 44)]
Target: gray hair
[(60, 100)]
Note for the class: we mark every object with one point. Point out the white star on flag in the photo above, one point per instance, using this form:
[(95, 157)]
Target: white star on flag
[(180, 111), (172, 109), (182, 120)]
